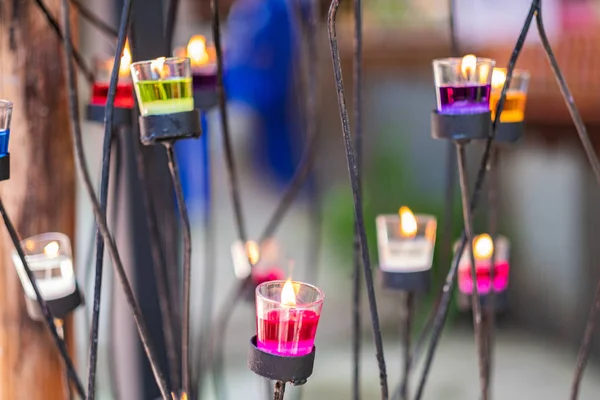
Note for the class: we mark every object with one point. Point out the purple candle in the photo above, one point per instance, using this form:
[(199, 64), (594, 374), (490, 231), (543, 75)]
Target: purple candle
[(204, 78), (468, 99), (463, 84)]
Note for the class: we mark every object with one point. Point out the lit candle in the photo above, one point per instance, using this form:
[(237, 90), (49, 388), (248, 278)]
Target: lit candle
[(483, 247), (287, 316), (516, 96), (103, 70), (261, 262), (204, 67), (49, 258), (163, 86), (406, 241), (463, 84), (5, 117)]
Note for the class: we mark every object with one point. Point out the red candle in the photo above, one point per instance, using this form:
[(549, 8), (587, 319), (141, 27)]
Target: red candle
[(287, 316)]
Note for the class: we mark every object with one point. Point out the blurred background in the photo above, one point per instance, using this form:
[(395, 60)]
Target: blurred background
[(548, 196)]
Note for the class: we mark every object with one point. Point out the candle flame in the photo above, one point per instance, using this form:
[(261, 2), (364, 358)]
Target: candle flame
[(483, 247), (288, 294), (157, 66), (498, 78), (125, 60), (468, 66), (252, 251), (196, 51), (51, 249), (408, 222)]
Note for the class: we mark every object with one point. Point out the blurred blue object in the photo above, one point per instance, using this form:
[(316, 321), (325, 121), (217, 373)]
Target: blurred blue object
[(261, 59), (193, 158)]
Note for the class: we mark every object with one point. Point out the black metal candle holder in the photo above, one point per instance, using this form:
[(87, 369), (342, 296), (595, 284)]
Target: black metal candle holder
[(5, 167), (415, 282), (295, 370), (121, 116), (461, 126), (170, 127), (60, 308), (509, 132)]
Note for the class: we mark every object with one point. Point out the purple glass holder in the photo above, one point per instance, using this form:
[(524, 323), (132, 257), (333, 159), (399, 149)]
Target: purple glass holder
[(461, 127)]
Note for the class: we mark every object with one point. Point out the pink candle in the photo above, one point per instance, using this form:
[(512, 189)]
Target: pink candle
[(287, 316)]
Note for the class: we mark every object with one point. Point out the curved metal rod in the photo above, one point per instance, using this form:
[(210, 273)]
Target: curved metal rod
[(94, 19), (585, 348), (89, 187), (104, 187), (358, 207), (358, 145), (159, 264), (229, 159), (79, 60), (442, 312), (475, 299), (187, 269), (170, 24), (48, 317), (489, 314)]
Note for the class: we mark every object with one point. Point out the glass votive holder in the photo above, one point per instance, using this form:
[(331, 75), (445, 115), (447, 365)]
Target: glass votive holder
[(287, 316), (406, 241), (516, 96), (463, 84), (203, 62), (5, 117), (50, 259), (102, 71), (163, 86), (482, 251)]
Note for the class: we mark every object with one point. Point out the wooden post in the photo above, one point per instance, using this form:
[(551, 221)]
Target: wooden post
[(40, 196)]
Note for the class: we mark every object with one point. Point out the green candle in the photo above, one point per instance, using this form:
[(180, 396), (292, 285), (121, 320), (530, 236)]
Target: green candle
[(165, 96)]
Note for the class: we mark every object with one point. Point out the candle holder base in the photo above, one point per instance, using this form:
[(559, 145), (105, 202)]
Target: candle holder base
[(500, 301), (295, 370), (170, 127), (509, 132), (121, 116), (205, 98), (415, 282), (5, 167), (60, 308), (461, 127)]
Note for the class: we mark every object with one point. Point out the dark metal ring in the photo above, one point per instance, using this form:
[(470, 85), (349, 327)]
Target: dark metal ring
[(461, 127)]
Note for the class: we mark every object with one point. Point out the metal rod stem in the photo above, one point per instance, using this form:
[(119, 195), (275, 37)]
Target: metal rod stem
[(408, 319), (279, 390), (187, 269), (475, 300), (358, 207)]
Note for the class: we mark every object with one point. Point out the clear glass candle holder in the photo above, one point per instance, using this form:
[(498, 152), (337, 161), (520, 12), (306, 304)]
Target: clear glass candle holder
[(287, 317), (5, 117), (482, 250), (516, 96), (102, 71), (463, 85), (50, 259), (263, 261), (163, 86), (402, 251)]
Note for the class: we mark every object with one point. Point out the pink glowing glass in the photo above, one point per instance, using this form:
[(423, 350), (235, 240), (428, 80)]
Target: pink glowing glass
[(482, 268), (287, 330)]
